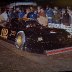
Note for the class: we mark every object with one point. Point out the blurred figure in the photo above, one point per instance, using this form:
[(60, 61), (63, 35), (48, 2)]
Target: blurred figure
[(3, 15), (69, 10), (66, 18), (38, 9), (47, 7), (32, 14), (70, 14), (63, 11), (49, 14), (14, 13), (17, 12), (57, 17), (10, 11), (0, 10), (21, 14), (42, 19), (26, 14)]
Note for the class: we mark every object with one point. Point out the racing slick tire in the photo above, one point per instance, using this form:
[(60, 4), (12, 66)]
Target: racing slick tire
[(20, 40)]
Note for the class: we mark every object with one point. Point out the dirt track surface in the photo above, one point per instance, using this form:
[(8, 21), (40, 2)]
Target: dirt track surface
[(14, 60)]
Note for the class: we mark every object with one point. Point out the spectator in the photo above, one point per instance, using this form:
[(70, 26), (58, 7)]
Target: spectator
[(49, 14), (32, 14), (10, 11), (21, 14), (70, 14), (17, 12), (66, 18), (3, 18), (38, 9), (13, 14), (26, 14), (57, 17), (42, 19), (4, 15)]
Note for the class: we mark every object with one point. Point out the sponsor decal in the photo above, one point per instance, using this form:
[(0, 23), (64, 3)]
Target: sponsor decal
[(13, 33), (4, 33)]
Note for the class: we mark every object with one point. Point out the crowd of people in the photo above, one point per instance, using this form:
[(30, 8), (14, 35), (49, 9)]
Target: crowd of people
[(43, 15)]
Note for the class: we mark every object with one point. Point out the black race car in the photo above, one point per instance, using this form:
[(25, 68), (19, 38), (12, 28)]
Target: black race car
[(28, 34)]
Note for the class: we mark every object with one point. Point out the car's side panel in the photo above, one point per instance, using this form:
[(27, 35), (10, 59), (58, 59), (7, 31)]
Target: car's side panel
[(7, 33)]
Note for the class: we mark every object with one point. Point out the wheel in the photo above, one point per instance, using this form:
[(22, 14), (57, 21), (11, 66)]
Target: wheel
[(20, 40)]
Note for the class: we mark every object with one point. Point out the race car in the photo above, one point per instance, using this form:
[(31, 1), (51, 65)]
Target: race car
[(27, 34)]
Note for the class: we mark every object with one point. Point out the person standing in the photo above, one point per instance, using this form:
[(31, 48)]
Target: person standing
[(49, 14), (66, 18), (21, 14), (42, 19), (3, 17)]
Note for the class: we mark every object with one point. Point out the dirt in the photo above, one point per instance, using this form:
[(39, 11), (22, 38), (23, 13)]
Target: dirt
[(14, 60)]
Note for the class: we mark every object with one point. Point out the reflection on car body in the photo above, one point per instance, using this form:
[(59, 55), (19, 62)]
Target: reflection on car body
[(29, 35)]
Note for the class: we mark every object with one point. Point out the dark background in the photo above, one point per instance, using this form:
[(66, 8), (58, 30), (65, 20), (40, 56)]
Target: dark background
[(60, 3)]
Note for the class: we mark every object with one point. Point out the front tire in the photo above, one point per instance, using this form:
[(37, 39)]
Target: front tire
[(20, 40)]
